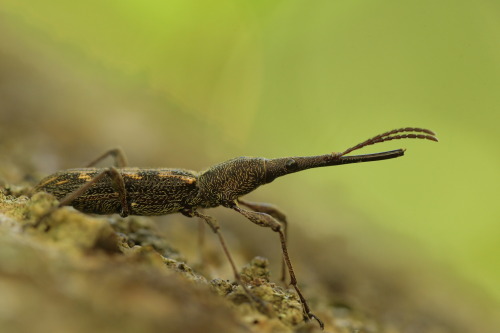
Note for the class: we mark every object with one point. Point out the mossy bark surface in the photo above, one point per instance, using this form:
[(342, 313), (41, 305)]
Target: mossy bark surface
[(81, 273)]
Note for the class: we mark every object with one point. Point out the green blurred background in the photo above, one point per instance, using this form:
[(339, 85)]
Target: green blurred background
[(192, 83)]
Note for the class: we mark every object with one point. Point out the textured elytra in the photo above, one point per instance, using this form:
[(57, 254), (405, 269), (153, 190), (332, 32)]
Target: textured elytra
[(148, 191)]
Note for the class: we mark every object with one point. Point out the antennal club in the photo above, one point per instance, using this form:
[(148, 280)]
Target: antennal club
[(390, 135)]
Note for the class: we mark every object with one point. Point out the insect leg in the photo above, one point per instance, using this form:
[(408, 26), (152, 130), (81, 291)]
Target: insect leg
[(119, 158), (266, 220), (201, 241), (278, 215), (214, 225), (112, 173)]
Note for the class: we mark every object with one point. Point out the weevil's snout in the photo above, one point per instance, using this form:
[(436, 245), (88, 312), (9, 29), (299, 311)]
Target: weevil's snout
[(280, 166), (227, 181)]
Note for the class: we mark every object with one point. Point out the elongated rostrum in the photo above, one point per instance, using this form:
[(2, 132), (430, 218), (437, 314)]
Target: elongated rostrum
[(160, 191)]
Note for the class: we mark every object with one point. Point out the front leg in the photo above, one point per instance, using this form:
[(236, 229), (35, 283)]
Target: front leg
[(267, 208), (274, 211), (266, 220)]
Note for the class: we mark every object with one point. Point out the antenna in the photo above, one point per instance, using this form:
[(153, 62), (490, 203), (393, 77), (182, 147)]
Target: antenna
[(390, 135)]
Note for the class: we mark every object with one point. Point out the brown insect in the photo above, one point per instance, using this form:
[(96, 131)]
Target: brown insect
[(138, 191)]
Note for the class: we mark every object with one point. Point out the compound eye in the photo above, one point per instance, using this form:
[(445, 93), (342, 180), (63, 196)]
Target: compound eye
[(291, 165)]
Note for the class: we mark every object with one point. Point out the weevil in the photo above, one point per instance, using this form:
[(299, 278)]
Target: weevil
[(140, 191)]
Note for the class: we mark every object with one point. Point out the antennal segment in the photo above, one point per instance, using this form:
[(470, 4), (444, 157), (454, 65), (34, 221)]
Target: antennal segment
[(390, 135)]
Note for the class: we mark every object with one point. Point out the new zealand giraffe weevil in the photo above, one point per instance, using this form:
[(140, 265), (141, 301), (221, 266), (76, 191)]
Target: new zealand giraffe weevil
[(137, 191)]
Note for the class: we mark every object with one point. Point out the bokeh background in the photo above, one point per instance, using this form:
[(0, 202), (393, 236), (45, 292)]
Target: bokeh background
[(193, 83)]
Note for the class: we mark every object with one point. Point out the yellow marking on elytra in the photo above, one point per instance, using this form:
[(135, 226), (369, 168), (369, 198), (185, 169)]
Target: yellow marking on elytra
[(133, 175), (50, 180), (84, 176), (62, 182), (187, 179)]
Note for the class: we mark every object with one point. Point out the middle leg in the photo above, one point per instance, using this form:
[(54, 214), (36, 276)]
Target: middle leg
[(214, 225)]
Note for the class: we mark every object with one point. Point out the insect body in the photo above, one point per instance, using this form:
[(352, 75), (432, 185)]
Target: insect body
[(136, 191)]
